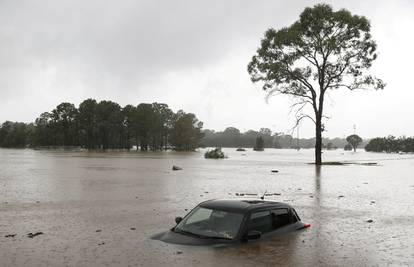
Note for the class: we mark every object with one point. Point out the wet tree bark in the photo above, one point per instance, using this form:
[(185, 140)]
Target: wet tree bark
[(318, 141)]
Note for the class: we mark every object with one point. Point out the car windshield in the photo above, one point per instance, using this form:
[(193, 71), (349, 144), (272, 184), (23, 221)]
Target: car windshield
[(211, 223)]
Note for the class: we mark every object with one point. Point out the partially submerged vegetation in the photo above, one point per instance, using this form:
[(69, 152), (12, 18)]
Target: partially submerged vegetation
[(214, 154), (354, 141), (323, 50), (107, 125), (259, 146), (391, 144), (348, 147), (234, 138)]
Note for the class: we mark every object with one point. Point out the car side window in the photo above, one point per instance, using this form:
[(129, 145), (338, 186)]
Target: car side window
[(280, 217), (260, 221)]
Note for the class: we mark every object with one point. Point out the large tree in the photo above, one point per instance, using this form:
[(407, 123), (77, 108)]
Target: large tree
[(87, 121), (163, 119), (354, 140), (186, 133), (64, 123), (109, 124), (146, 117), (323, 50)]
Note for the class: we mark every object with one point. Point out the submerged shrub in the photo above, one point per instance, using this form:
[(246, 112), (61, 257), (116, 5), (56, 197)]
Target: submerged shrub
[(214, 154)]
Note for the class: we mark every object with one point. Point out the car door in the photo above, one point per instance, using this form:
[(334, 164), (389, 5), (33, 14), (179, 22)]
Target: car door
[(271, 221), (260, 221)]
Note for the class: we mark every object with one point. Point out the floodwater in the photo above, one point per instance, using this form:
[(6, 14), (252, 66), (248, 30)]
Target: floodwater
[(100, 208)]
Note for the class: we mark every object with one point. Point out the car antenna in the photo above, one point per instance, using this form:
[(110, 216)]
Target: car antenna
[(262, 197)]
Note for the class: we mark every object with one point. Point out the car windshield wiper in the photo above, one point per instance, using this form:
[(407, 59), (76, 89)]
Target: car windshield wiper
[(216, 237), (187, 233), (200, 236)]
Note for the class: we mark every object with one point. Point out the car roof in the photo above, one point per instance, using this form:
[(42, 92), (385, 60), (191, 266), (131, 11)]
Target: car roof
[(241, 205)]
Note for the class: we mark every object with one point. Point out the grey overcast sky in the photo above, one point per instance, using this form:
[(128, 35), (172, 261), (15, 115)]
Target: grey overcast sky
[(191, 55)]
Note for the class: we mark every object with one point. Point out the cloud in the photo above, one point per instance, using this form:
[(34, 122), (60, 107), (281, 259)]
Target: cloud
[(189, 54)]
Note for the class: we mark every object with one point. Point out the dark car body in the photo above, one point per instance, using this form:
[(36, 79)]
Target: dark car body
[(261, 219)]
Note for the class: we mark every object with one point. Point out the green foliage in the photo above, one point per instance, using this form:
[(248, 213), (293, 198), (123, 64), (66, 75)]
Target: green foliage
[(323, 50), (348, 147), (15, 134), (271, 140), (259, 146), (354, 140), (330, 146), (88, 123), (214, 154), (107, 125), (232, 137), (391, 144), (186, 131), (63, 117)]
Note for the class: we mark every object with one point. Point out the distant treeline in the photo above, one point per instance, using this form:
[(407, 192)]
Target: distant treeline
[(391, 144), (107, 125), (232, 137)]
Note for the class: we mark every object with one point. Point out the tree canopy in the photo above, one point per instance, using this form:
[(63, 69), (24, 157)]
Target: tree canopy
[(323, 50), (391, 144), (354, 140), (106, 125)]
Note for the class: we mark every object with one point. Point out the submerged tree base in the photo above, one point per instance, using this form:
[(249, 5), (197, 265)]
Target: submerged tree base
[(339, 163)]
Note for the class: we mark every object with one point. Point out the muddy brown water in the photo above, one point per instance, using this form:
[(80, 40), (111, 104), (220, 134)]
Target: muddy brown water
[(87, 205)]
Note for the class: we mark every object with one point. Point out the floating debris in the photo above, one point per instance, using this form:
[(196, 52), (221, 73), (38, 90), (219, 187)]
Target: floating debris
[(178, 252), (341, 196), (102, 243), (133, 228), (98, 231), (11, 235), (370, 221), (255, 194), (274, 171), (272, 194), (31, 235), (176, 168)]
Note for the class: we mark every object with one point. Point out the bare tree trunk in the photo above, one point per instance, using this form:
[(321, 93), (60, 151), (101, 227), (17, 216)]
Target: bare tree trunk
[(318, 143)]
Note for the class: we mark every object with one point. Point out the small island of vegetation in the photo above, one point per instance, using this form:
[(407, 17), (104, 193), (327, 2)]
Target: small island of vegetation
[(214, 154)]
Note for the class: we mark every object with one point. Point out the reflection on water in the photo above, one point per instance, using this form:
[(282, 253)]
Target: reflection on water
[(70, 195)]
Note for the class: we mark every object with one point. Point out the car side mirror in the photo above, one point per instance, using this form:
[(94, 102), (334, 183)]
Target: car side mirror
[(252, 235), (178, 220)]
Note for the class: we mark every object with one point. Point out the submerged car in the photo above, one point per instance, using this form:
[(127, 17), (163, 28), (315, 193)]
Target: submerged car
[(225, 221)]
